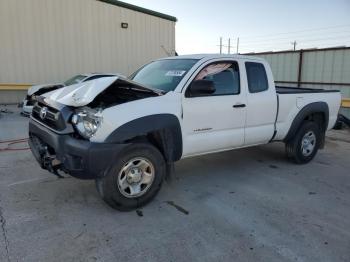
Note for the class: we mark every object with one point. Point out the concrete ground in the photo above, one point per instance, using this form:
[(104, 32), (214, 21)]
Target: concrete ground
[(244, 205)]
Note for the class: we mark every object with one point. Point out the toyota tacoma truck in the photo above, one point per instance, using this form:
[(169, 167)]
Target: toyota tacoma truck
[(126, 133)]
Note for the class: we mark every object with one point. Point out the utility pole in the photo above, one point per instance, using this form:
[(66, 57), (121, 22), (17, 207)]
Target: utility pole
[(294, 45), (220, 45), (237, 44), (229, 46)]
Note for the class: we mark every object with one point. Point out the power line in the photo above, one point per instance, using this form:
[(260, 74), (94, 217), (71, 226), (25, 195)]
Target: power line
[(292, 32), (287, 47), (301, 45), (301, 41), (298, 37)]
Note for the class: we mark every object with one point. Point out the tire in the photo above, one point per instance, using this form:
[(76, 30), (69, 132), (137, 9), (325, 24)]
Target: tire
[(303, 154), (125, 177)]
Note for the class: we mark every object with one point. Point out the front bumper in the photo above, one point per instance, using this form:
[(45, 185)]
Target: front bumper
[(79, 158)]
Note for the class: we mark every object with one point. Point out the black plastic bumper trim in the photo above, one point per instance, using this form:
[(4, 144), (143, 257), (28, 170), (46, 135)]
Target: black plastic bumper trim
[(80, 158)]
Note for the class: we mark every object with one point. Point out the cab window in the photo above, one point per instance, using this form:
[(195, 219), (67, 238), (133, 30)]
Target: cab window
[(225, 76), (256, 75)]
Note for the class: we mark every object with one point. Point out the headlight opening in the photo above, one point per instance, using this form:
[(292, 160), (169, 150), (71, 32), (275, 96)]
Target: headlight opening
[(87, 122)]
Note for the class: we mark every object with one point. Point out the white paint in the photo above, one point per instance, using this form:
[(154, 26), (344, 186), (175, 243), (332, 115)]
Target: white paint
[(80, 94), (261, 110), (222, 125), (288, 109)]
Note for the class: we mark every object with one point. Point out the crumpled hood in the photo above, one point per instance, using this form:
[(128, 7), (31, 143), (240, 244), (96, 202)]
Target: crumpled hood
[(79, 94), (84, 93), (33, 89)]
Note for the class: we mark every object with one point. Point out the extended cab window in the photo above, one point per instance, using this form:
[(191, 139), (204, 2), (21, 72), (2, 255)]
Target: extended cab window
[(225, 76), (257, 79)]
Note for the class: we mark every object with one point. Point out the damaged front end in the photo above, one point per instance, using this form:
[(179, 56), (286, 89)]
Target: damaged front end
[(33, 93), (46, 159), (64, 120)]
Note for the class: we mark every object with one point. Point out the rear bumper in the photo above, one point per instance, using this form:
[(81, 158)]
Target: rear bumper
[(79, 158)]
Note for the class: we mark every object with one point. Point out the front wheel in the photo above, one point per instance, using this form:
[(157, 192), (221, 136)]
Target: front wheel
[(134, 179), (305, 144)]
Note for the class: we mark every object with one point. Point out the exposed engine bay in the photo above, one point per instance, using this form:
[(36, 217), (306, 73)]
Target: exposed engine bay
[(120, 92), (46, 89)]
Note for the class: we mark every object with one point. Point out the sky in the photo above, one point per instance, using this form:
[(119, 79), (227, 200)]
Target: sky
[(260, 25)]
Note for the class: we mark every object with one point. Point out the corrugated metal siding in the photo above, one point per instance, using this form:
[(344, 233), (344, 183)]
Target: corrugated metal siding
[(45, 41), (284, 66), (328, 66)]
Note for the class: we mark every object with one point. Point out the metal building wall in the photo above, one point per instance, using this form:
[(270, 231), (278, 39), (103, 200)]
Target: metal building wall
[(45, 41), (321, 67), (283, 65)]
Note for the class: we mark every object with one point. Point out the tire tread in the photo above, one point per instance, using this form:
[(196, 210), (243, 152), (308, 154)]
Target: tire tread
[(107, 186)]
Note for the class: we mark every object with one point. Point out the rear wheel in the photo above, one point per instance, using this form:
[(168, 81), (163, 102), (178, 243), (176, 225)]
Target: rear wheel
[(134, 179), (305, 144)]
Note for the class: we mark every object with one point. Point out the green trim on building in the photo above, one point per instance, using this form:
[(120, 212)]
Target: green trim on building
[(140, 9)]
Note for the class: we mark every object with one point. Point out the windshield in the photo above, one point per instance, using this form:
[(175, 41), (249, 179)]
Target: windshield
[(163, 74), (74, 80)]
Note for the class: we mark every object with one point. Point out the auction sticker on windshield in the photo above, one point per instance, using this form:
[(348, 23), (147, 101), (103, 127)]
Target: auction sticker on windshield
[(175, 73)]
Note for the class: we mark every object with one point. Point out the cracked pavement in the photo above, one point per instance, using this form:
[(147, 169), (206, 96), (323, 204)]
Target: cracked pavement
[(4, 244), (244, 205)]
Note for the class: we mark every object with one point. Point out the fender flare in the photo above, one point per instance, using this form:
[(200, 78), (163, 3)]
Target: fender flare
[(316, 107), (166, 126)]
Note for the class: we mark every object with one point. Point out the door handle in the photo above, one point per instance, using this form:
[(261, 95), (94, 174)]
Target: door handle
[(238, 105)]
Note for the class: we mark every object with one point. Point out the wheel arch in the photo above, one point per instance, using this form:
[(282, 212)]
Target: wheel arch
[(161, 130), (317, 112)]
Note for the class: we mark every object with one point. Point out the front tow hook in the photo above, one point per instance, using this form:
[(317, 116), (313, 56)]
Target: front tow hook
[(52, 165)]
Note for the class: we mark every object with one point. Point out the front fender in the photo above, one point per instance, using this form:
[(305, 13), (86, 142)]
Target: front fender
[(167, 126)]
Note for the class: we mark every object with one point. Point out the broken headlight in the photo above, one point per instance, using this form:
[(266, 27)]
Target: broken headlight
[(87, 121)]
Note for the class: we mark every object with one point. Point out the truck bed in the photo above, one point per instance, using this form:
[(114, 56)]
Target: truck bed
[(291, 100), (298, 90)]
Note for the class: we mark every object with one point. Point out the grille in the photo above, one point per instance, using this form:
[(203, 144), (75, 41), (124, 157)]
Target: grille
[(53, 117)]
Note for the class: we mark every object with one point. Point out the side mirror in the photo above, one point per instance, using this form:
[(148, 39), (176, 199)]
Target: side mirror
[(201, 88)]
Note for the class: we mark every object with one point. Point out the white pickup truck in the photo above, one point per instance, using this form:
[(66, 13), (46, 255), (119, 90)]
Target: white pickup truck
[(127, 133)]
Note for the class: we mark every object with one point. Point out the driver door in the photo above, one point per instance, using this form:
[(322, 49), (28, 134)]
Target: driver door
[(215, 122)]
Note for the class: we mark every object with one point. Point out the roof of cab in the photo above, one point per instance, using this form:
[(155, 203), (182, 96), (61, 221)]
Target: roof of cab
[(213, 56)]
